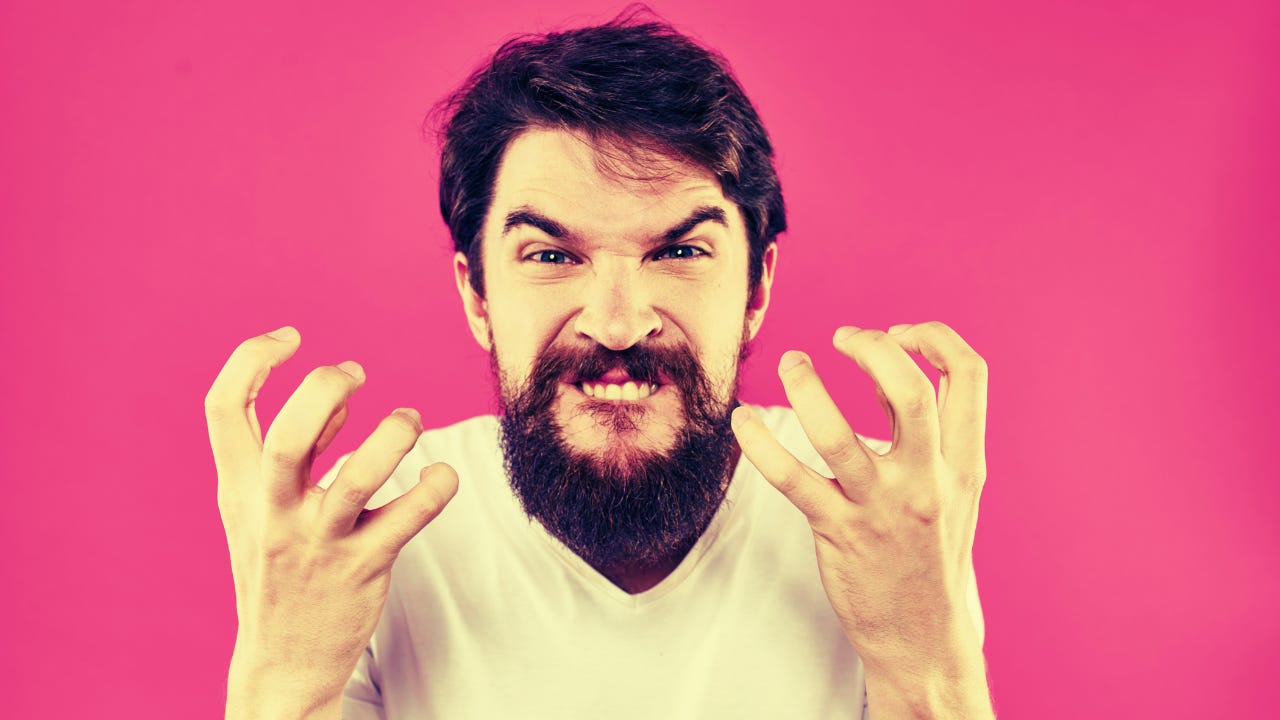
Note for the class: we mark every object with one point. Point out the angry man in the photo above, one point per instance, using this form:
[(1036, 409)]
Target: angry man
[(626, 539)]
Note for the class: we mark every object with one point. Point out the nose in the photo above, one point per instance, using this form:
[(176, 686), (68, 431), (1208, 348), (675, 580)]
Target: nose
[(616, 309)]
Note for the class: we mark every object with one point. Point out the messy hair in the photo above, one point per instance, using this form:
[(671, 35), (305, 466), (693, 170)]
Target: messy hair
[(634, 83)]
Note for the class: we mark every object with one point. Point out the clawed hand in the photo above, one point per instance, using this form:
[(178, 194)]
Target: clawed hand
[(894, 532), (311, 566)]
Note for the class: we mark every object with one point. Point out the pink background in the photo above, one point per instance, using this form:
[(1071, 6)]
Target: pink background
[(1086, 191)]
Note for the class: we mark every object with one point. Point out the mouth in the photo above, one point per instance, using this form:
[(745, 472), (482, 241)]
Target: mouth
[(629, 391)]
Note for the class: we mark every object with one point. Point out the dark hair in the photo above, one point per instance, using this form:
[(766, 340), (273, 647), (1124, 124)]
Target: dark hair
[(634, 82)]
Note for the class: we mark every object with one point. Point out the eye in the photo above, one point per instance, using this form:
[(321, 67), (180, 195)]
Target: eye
[(550, 257), (680, 252)]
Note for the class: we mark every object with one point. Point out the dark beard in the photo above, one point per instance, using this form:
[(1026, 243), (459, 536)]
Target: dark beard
[(630, 508)]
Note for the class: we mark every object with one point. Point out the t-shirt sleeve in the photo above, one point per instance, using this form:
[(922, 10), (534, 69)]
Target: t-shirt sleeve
[(362, 699)]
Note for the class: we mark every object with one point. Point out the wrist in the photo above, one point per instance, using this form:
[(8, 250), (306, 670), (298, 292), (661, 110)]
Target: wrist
[(945, 678), (262, 690), (946, 686), (280, 706)]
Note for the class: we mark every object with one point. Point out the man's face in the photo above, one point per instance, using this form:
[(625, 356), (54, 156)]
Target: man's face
[(616, 309)]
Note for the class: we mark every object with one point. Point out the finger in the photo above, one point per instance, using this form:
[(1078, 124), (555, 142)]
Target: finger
[(962, 394), (825, 425), (815, 496), (330, 431), (395, 523), (234, 433), (911, 396), (290, 444), (366, 471)]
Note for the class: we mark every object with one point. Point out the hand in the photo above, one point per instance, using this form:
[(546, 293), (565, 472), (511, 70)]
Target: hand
[(894, 532), (311, 566)]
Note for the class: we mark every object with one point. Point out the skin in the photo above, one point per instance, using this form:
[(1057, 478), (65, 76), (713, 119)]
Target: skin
[(893, 533)]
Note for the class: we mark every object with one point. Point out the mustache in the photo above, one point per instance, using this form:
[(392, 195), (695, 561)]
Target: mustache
[(660, 365)]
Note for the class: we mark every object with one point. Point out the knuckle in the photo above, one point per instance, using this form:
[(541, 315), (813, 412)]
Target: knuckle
[(934, 326), (974, 477), (216, 411), (789, 482), (917, 405), (281, 549), (925, 508), (878, 527), (351, 493), (839, 451), (974, 369), (282, 460)]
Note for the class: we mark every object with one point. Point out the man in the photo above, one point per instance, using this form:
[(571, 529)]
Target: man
[(612, 550)]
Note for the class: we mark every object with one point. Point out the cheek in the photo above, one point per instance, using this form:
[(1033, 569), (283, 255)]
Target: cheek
[(521, 327), (718, 345), (721, 311)]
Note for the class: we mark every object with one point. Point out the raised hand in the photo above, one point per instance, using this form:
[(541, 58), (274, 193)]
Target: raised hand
[(311, 566), (894, 533)]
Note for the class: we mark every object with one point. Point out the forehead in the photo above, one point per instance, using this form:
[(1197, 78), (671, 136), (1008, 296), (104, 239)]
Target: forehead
[(601, 189)]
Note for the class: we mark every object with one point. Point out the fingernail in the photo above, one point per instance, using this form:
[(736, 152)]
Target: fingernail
[(353, 369), (284, 334), (411, 413), (896, 329), (741, 415), (845, 332), (791, 358)]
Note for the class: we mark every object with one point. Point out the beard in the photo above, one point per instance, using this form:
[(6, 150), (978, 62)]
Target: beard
[(624, 506)]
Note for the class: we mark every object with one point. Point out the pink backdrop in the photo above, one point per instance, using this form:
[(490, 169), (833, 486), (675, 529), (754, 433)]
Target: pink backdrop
[(1086, 191)]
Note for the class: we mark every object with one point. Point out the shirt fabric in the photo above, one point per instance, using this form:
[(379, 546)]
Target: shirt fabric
[(489, 616)]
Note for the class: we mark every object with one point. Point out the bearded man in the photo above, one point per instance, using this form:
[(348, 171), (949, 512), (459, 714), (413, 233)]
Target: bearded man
[(611, 546)]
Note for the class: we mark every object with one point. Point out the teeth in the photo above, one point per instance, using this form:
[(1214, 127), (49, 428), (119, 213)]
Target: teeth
[(629, 391)]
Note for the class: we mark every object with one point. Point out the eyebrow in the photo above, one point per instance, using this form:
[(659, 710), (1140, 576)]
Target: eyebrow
[(526, 215)]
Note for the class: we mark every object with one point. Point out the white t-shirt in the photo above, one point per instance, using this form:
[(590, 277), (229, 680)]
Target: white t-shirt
[(488, 616)]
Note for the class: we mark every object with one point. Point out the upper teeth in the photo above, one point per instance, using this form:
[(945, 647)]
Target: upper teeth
[(629, 390)]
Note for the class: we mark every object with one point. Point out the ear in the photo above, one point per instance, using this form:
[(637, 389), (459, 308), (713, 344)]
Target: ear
[(476, 307), (758, 303)]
